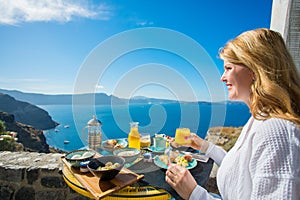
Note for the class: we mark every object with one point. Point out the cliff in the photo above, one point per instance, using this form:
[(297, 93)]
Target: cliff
[(224, 137), (26, 113), (31, 138)]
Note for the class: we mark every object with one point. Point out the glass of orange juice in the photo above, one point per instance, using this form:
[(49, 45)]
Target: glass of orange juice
[(183, 136)]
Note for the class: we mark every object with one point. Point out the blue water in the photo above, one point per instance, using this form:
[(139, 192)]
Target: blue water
[(157, 118)]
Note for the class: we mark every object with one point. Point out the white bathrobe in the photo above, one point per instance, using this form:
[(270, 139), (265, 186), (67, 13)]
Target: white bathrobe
[(263, 164)]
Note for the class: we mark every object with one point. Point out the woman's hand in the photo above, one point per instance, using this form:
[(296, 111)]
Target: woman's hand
[(198, 143), (181, 180)]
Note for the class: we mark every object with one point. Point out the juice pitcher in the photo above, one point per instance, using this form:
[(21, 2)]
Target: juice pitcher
[(134, 136)]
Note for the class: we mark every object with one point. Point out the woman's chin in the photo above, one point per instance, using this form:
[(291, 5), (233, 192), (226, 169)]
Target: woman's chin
[(233, 98)]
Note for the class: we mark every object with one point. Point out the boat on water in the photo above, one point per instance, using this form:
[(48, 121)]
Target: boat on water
[(66, 142), (67, 126)]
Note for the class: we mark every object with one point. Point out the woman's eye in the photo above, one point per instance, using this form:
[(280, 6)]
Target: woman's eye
[(227, 68)]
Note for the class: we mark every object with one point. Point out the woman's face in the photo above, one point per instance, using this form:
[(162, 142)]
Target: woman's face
[(238, 80)]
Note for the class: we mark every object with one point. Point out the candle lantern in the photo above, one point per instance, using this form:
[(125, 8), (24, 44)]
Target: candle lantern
[(94, 133)]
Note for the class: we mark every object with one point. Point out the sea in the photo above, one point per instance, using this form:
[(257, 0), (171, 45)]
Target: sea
[(71, 133)]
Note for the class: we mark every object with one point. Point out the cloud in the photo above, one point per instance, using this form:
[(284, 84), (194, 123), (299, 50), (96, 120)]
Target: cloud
[(13, 12), (144, 23)]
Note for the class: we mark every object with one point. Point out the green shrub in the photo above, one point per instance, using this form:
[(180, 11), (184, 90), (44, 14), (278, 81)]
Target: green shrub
[(2, 127), (7, 144)]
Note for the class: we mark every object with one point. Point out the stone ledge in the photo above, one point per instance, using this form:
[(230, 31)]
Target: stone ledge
[(33, 176)]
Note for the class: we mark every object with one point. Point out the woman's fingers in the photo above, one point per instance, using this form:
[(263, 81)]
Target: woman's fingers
[(171, 174), (181, 180)]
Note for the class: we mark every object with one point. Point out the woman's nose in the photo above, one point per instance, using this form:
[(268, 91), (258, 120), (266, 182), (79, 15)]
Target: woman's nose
[(223, 78)]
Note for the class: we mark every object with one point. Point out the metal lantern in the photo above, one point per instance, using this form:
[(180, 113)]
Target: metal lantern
[(94, 133)]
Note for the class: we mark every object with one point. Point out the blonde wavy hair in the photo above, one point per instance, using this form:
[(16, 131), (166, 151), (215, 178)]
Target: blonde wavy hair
[(276, 88)]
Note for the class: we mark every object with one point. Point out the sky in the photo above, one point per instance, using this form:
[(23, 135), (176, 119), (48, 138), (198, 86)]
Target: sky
[(127, 48)]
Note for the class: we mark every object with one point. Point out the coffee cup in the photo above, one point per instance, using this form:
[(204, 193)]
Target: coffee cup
[(159, 141)]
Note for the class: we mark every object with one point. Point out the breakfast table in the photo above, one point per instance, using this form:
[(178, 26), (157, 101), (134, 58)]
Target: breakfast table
[(147, 174)]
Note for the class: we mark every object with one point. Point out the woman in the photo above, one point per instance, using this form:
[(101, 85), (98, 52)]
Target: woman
[(265, 161)]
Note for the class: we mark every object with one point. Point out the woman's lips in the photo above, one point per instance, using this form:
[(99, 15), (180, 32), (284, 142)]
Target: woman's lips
[(228, 86)]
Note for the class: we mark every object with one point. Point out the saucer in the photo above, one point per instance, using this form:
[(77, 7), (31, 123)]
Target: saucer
[(153, 149)]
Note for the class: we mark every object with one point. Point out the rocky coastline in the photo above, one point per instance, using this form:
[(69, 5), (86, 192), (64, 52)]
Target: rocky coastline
[(30, 138), (24, 123)]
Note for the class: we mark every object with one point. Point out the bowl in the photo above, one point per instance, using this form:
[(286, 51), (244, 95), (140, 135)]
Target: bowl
[(129, 154), (96, 167), (78, 156)]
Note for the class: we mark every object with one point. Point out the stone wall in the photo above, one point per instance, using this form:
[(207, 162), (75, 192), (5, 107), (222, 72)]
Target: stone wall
[(33, 176)]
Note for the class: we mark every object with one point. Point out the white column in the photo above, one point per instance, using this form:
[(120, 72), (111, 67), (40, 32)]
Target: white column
[(286, 20)]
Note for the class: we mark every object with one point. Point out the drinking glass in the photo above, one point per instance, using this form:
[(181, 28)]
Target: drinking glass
[(145, 140), (183, 136)]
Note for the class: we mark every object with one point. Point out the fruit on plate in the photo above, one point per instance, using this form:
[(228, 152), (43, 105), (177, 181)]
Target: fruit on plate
[(176, 158), (189, 158), (180, 160)]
